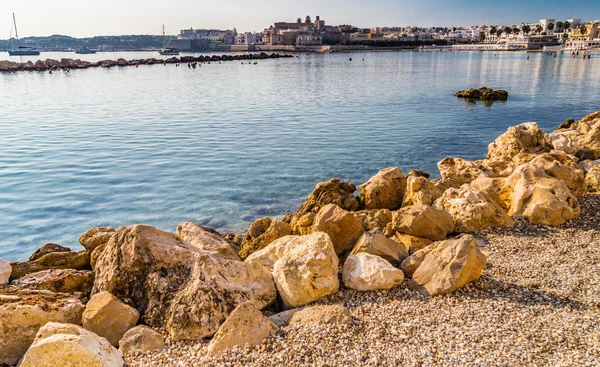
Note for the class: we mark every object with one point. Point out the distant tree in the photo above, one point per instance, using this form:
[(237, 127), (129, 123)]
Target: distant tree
[(525, 28), (565, 36), (559, 26), (499, 32), (308, 21), (493, 30), (582, 30), (566, 25), (481, 36), (550, 26), (299, 20), (508, 30), (453, 29), (515, 30), (539, 29)]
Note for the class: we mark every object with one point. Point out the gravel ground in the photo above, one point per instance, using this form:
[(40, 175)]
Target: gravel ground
[(536, 304)]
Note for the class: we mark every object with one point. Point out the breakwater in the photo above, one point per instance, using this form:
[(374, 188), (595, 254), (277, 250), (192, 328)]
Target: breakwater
[(51, 64)]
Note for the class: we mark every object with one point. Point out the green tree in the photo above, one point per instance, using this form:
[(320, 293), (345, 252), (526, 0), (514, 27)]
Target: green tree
[(299, 20), (499, 32), (559, 26), (508, 30), (567, 25), (550, 26), (539, 29), (493, 30), (515, 30), (308, 21), (525, 28), (582, 31), (481, 36)]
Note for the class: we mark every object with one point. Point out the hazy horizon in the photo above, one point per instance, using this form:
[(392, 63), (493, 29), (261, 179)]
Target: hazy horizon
[(113, 17)]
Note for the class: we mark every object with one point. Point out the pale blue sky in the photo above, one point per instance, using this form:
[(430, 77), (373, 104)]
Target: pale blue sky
[(81, 18)]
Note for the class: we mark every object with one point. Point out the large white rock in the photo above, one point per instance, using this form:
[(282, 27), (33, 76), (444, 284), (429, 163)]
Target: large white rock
[(366, 272), (23, 312), (245, 326), (108, 317), (304, 267), (5, 270), (69, 345)]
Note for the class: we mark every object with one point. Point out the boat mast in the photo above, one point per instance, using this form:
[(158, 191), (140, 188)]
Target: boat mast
[(16, 31)]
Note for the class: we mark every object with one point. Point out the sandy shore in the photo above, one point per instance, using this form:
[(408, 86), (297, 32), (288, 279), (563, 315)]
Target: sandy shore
[(537, 303)]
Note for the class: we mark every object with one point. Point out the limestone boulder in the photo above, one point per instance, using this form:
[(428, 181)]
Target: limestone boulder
[(423, 221), (59, 280), (245, 326), (420, 191), (141, 339), (333, 191), (472, 210), (95, 237), (566, 141), (540, 198), (205, 239), (323, 315), (524, 138), (589, 126), (23, 312), (108, 317), (59, 344), (5, 270), (412, 263), (448, 265), (343, 227), (46, 249), (176, 284), (379, 245), (385, 190), (563, 167), (375, 219), (366, 272), (261, 233), (592, 176), (459, 170), (305, 268), (494, 188), (411, 243), (52, 260)]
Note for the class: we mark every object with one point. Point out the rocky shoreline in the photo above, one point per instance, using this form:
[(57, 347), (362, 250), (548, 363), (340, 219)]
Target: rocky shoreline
[(493, 264), (68, 64)]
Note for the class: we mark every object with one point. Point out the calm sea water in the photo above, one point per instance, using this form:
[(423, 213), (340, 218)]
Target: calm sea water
[(228, 143)]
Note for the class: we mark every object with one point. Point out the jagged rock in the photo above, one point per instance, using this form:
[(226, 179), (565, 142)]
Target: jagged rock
[(563, 167), (423, 221), (95, 236), (385, 190), (420, 191), (283, 318), (52, 260), (446, 266), (589, 126), (141, 339), (245, 326), (588, 154), (261, 233), (366, 272), (484, 94), (566, 141), (343, 227), (524, 138), (375, 219), (497, 167), (566, 124), (46, 249), (108, 317), (323, 315), (592, 176), (540, 198), (305, 268), (70, 345), (23, 312), (379, 245), (494, 188), (59, 280), (458, 170), (412, 243), (206, 239), (234, 239), (472, 210), (177, 285), (5, 270), (330, 192)]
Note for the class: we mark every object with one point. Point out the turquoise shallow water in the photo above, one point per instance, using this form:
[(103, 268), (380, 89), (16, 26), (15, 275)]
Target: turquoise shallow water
[(228, 143)]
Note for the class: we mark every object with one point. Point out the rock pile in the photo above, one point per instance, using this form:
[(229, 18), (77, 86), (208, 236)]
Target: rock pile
[(132, 286), (484, 94)]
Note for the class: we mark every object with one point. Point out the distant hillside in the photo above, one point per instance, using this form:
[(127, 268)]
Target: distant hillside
[(108, 43)]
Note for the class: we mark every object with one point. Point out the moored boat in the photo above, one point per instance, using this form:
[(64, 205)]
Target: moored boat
[(21, 50)]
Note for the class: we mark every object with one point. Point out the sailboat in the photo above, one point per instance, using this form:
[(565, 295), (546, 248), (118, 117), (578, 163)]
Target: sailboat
[(166, 50), (21, 50)]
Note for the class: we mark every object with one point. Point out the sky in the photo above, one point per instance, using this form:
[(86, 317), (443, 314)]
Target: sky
[(85, 18)]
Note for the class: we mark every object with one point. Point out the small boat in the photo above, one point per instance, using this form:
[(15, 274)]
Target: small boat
[(21, 50), (85, 51), (167, 51)]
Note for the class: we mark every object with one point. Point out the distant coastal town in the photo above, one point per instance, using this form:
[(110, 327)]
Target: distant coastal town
[(308, 35)]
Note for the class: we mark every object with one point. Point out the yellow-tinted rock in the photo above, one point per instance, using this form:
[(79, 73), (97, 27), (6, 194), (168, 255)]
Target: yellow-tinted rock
[(366, 272), (379, 245), (205, 239), (423, 221), (323, 315), (343, 227), (420, 191), (459, 170), (95, 236), (59, 280), (141, 339), (524, 138), (385, 190), (108, 317), (412, 243), (563, 167), (261, 233)]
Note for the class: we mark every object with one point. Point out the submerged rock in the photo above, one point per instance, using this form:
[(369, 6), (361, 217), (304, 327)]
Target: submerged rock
[(484, 93)]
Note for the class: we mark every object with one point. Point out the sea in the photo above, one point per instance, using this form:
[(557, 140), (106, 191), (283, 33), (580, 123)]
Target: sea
[(227, 143)]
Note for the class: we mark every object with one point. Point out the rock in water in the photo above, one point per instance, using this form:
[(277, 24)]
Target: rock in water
[(59, 280), (141, 339), (305, 268), (385, 190), (23, 312), (446, 266), (379, 245), (366, 272), (5, 270), (108, 317), (323, 315), (472, 210), (423, 221), (484, 94), (70, 345), (175, 282), (261, 233), (46, 249), (245, 326), (343, 227)]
